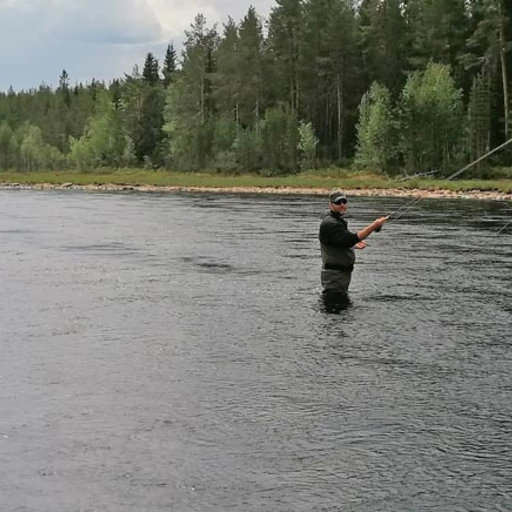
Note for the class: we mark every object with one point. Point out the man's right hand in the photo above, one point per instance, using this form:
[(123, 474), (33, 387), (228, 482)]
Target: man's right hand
[(378, 223)]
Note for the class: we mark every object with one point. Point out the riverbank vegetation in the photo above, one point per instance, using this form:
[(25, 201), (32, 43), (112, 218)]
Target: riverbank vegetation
[(323, 180), (383, 86)]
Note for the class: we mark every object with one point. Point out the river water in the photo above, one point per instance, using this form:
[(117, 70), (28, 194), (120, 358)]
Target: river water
[(172, 353)]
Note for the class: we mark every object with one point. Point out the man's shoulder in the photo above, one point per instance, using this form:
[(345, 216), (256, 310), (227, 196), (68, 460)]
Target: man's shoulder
[(329, 218)]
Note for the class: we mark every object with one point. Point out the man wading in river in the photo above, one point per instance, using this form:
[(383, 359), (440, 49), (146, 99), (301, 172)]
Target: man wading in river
[(337, 245)]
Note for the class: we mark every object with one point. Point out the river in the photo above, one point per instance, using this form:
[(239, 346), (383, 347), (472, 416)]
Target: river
[(171, 352)]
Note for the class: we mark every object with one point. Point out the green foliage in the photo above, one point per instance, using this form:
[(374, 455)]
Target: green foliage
[(8, 147), (439, 31), (479, 117), (150, 72), (248, 149), (377, 130), (143, 117), (431, 121), (35, 154), (189, 137), (170, 65), (385, 35), (223, 138), (227, 77), (280, 137), (307, 146), (104, 144), (284, 36)]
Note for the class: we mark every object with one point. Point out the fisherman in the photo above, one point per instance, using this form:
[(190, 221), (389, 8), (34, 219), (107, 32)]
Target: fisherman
[(337, 245)]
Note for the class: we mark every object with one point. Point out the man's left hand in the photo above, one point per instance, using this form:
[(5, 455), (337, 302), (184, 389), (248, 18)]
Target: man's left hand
[(360, 245)]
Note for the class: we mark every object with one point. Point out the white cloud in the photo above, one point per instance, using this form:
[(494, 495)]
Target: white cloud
[(176, 16), (97, 38), (111, 21)]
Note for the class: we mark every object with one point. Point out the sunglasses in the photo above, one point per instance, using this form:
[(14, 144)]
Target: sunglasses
[(340, 201)]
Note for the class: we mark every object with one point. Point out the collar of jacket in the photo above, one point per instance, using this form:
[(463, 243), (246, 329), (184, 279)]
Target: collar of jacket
[(337, 215)]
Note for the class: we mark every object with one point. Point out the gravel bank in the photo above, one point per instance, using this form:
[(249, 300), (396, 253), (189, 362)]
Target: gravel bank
[(424, 193)]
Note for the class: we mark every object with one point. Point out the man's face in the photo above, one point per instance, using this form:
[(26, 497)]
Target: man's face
[(340, 205)]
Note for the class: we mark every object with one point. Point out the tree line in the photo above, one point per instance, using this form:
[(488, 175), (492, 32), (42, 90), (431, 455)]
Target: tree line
[(391, 85)]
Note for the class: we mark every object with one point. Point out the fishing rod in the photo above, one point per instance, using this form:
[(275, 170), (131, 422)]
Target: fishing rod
[(504, 227), (395, 215)]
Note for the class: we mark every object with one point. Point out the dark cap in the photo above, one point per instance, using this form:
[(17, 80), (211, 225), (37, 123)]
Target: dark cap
[(338, 197)]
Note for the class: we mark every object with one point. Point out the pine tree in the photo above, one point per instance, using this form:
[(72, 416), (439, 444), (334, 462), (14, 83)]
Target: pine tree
[(63, 118), (150, 72), (329, 75), (63, 88), (479, 116), (284, 46), (143, 106), (226, 80), (251, 70), (384, 38), (5, 146), (169, 67), (439, 30), (103, 143), (490, 48), (190, 105)]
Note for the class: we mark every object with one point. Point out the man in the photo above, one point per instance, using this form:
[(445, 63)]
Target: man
[(337, 244)]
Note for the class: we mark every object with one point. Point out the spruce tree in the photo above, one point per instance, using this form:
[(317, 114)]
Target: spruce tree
[(251, 70), (479, 116), (227, 77), (384, 37), (490, 48), (439, 30), (150, 72), (284, 36), (190, 105), (169, 66)]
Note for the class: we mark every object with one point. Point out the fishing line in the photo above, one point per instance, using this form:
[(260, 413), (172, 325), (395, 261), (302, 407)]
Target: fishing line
[(504, 227), (395, 215)]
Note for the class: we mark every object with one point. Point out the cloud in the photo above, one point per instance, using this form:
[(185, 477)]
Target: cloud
[(176, 16), (110, 21), (99, 39)]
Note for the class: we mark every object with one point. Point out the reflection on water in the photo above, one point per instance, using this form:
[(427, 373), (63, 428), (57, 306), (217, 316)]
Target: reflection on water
[(161, 353)]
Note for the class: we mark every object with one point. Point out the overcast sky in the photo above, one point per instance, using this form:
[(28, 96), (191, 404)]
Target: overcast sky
[(99, 39)]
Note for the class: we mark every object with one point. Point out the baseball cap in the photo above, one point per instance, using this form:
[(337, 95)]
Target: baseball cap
[(337, 197)]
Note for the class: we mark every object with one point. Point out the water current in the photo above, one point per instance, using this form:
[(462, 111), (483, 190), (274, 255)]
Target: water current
[(171, 352)]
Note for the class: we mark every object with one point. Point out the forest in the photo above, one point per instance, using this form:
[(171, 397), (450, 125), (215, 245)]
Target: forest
[(391, 86)]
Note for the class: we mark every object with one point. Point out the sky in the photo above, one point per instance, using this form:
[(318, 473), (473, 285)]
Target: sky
[(99, 39)]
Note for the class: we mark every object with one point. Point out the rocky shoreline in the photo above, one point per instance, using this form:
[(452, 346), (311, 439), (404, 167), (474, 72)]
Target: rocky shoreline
[(371, 192)]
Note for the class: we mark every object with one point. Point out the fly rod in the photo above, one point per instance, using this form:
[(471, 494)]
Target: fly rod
[(406, 207), (504, 227)]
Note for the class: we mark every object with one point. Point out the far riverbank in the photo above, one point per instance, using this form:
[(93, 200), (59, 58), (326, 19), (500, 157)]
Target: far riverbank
[(372, 192), (300, 184)]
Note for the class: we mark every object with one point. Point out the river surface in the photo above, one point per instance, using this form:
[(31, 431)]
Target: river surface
[(172, 353)]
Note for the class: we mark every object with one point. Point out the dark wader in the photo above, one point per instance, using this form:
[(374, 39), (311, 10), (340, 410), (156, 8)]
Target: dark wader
[(335, 296), (335, 281)]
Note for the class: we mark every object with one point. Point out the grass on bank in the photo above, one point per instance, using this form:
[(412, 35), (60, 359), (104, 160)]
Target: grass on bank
[(325, 179)]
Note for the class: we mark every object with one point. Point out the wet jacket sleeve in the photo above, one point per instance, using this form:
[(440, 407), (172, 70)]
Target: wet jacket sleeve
[(335, 234)]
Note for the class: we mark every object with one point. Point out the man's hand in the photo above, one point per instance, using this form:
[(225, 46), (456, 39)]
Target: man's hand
[(360, 245), (379, 223), (376, 225)]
